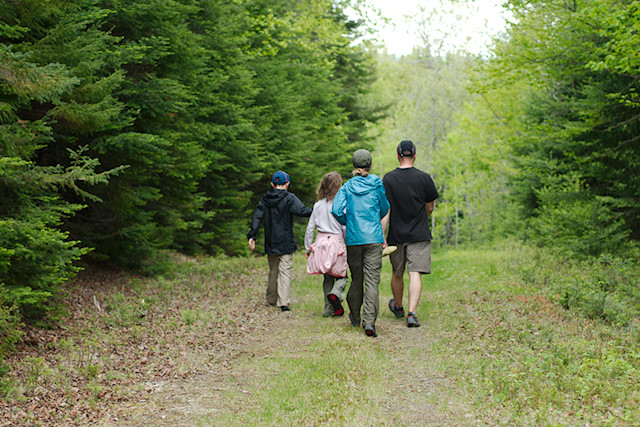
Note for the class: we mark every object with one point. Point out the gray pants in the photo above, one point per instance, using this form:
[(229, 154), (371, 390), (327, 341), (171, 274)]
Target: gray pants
[(365, 264), (332, 285), (279, 284)]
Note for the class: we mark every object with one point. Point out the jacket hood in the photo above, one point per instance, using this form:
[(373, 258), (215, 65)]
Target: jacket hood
[(361, 185), (274, 197)]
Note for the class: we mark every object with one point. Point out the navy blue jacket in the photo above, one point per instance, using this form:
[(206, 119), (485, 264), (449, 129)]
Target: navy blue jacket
[(277, 209)]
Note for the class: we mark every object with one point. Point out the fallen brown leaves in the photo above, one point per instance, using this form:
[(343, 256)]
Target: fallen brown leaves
[(125, 333)]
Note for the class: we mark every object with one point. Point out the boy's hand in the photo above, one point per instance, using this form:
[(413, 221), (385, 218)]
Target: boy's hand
[(252, 244), (307, 254)]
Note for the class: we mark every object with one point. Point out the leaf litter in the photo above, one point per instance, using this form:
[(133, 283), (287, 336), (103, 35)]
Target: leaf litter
[(125, 336)]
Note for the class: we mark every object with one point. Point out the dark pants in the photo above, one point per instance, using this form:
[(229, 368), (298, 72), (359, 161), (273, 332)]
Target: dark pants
[(365, 264)]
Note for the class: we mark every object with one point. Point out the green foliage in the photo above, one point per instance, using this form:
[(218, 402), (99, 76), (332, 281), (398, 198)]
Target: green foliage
[(573, 137), (9, 331), (459, 141), (576, 221), (423, 93), (129, 127), (474, 169), (603, 288), (201, 100), (36, 256)]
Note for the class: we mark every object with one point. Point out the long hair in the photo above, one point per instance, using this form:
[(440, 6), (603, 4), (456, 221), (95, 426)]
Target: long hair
[(329, 186)]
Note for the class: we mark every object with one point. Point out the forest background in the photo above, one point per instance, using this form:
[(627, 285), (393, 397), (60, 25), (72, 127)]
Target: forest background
[(131, 130)]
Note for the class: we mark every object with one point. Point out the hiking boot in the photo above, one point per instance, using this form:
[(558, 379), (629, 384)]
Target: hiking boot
[(398, 311), (370, 330), (285, 308), (353, 321), (336, 304), (412, 321)]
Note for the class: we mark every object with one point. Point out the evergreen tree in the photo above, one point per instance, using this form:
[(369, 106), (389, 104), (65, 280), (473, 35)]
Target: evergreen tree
[(35, 255), (576, 150)]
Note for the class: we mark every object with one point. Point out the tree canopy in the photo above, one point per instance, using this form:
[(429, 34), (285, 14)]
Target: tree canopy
[(131, 127)]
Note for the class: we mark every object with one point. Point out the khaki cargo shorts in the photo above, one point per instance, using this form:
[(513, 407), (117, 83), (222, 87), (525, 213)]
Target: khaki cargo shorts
[(415, 255)]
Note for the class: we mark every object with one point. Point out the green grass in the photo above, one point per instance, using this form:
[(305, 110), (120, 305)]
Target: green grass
[(524, 358), (498, 345), (317, 371), (492, 348)]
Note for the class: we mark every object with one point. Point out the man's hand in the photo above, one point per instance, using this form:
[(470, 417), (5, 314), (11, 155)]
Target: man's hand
[(252, 244)]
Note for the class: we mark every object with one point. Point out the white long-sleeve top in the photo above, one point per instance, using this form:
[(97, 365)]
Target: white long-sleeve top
[(322, 219)]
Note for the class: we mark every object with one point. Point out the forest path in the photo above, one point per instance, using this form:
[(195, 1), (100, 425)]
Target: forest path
[(298, 368), (200, 347)]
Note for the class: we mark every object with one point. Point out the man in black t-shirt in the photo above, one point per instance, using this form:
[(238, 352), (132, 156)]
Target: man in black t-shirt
[(411, 194)]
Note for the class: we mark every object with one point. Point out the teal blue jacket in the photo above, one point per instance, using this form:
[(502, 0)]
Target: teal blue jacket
[(360, 204)]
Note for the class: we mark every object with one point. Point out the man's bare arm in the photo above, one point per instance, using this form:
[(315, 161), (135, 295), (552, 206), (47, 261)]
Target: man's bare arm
[(429, 206), (384, 221)]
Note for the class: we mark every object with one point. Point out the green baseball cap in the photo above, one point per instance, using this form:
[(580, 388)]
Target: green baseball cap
[(362, 158)]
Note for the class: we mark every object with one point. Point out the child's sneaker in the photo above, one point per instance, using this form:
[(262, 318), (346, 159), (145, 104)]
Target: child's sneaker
[(412, 321), (334, 301), (398, 311), (336, 304), (285, 308)]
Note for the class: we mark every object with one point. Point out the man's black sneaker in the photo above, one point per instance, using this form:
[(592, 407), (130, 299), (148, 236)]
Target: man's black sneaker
[(285, 308), (412, 321), (370, 330), (353, 321), (398, 311)]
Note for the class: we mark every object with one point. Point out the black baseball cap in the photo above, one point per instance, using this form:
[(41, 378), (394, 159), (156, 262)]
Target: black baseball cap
[(406, 148)]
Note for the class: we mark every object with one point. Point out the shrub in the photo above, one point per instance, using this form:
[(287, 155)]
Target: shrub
[(577, 222), (604, 288)]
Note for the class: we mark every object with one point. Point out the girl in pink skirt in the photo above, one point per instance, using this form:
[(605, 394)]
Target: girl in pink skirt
[(328, 254)]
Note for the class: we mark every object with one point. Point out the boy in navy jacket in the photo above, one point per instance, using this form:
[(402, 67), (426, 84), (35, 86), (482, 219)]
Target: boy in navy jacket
[(277, 208)]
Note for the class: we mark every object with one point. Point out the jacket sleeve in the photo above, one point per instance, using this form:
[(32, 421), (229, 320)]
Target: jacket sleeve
[(339, 205), (298, 208), (258, 216), (308, 235), (384, 203)]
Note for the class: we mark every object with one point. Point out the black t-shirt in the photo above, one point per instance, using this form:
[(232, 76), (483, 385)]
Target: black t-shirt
[(408, 190)]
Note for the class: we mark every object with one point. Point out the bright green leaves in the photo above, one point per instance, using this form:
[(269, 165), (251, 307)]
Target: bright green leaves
[(619, 29), (577, 66)]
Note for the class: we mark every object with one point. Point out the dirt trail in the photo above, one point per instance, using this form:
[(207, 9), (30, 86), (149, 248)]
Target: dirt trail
[(417, 393)]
